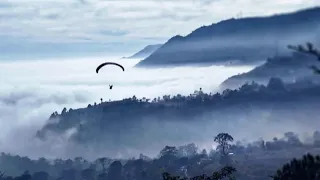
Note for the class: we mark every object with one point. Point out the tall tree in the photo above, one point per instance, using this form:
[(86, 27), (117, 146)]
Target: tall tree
[(223, 139)]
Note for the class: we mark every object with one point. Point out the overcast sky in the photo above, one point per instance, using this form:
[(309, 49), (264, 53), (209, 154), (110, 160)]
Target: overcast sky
[(80, 26)]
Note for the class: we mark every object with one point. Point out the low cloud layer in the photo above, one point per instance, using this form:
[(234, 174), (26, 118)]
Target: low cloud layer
[(31, 90)]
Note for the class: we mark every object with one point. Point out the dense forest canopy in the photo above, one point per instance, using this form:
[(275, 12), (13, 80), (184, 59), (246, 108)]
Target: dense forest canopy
[(256, 160)]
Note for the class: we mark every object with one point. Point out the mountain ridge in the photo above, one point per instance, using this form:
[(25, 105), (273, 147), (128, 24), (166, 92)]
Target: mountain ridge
[(290, 68), (248, 39), (145, 52)]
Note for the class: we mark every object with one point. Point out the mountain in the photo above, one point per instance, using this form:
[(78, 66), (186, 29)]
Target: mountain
[(145, 52), (248, 40), (133, 122), (290, 68)]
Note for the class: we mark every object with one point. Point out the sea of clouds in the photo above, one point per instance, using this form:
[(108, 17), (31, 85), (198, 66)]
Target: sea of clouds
[(31, 90)]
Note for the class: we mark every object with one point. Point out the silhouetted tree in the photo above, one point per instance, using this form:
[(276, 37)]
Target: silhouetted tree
[(144, 157), (24, 176), (64, 110), (276, 84), (316, 138), (171, 151), (40, 176), (88, 174), (69, 174), (223, 140), (188, 150), (225, 172), (103, 161), (308, 168), (292, 139), (115, 171), (204, 153), (309, 49), (2, 177)]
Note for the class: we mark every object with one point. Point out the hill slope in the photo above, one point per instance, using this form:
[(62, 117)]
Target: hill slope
[(248, 40), (290, 68), (145, 52), (157, 120)]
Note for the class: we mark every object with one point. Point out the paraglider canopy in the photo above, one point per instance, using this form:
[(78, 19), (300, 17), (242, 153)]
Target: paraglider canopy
[(109, 63)]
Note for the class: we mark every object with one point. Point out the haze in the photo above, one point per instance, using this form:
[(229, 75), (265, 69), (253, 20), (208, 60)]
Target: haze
[(32, 90)]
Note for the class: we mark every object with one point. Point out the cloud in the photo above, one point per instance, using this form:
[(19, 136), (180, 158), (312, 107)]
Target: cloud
[(110, 21), (31, 90)]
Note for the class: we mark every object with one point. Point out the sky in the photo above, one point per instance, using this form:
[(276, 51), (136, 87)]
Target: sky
[(114, 27), (31, 90)]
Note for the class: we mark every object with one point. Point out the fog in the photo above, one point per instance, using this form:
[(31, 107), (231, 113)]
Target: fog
[(150, 135), (31, 90)]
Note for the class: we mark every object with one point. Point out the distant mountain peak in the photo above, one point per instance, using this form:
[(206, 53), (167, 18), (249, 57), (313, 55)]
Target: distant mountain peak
[(248, 40), (145, 52)]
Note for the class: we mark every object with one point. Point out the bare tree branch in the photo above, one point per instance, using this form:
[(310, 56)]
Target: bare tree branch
[(309, 49)]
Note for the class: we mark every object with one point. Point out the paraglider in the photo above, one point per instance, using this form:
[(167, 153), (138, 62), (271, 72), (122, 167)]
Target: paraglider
[(108, 63)]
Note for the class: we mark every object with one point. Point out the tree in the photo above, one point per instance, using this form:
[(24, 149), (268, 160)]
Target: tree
[(2, 177), (309, 49), (223, 140), (292, 139), (134, 98), (188, 150), (144, 157), (115, 171), (40, 176), (24, 176), (169, 151), (78, 161), (204, 153), (225, 172), (64, 111), (103, 161), (276, 84), (52, 116), (307, 168), (88, 174), (69, 174), (316, 138)]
